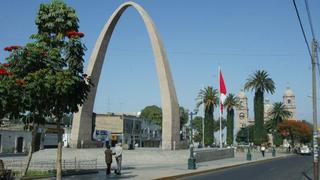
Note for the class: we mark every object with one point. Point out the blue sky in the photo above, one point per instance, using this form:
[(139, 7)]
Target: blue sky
[(241, 36)]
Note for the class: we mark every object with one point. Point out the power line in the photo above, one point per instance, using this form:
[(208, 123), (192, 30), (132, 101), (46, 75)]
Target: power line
[(312, 32), (304, 34), (311, 28), (309, 18), (197, 53), (302, 29)]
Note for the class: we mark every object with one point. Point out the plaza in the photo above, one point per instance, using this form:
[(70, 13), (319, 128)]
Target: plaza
[(161, 105), (141, 163)]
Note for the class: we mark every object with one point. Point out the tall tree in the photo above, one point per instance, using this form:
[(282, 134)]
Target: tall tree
[(208, 97), (10, 93), (183, 116), (216, 124), (26, 64), (230, 102), (260, 82), (245, 134), (296, 131), (153, 114), (52, 67), (197, 125)]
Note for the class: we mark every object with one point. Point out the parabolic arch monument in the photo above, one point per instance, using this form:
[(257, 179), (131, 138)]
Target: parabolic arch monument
[(82, 121)]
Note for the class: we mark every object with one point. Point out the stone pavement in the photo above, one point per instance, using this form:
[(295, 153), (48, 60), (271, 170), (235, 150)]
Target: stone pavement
[(145, 163)]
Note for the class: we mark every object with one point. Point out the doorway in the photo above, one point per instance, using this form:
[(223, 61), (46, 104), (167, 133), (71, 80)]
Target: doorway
[(19, 144)]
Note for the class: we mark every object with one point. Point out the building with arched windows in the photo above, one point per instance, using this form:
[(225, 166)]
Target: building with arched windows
[(289, 100), (242, 111)]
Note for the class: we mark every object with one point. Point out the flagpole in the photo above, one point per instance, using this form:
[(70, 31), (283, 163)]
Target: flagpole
[(220, 113), (204, 113)]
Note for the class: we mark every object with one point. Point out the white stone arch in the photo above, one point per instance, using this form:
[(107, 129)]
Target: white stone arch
[(82, 121)]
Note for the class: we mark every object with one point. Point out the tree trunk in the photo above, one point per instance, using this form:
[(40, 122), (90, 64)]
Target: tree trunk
[(31, 149), (230, 124), (59, 150), (258, 117)]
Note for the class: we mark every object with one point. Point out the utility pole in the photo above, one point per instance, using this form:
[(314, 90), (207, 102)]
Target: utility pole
[(314, 105), (192, 159)]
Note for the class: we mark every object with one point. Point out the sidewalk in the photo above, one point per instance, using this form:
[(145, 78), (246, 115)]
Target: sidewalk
[(239, 159), (147, 163)]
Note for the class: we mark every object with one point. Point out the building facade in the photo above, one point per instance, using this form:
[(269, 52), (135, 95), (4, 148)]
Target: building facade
[(242, 112), (289, 100), (15, 141), (128, 129), (267, 109), (16, 137)]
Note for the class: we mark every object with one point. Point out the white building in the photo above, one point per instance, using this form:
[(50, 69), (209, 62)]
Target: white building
[(242, 112)]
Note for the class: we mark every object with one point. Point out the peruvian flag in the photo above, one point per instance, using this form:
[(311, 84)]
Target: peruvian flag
[(223, 91)]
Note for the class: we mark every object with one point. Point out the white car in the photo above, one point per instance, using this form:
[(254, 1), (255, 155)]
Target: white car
[(305, 150)]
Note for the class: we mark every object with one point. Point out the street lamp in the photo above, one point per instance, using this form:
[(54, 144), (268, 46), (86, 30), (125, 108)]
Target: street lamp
[(192, 159), (273, 131), (248, 133)]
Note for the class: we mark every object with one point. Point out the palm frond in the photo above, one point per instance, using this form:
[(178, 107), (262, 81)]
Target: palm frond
[(207, 97), (260, 81), (231, 101), (279, 112)]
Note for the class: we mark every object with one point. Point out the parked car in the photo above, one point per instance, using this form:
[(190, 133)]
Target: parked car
[(305, 150), (296, 150)]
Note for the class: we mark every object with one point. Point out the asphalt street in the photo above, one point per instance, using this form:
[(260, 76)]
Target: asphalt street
[(290, 168)]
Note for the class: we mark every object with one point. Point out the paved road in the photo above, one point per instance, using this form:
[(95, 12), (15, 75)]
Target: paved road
[(290, 168)]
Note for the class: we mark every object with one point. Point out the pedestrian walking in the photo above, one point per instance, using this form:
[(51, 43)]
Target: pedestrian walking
[(108, 158), (118, 155), (263, 149), (289, 148)]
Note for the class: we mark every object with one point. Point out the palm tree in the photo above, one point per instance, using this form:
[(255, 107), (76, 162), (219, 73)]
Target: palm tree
[(230, 102), (279, 113), (260, 82), (208, 97)]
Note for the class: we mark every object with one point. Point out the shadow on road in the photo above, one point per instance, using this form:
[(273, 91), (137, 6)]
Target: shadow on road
[(124, 175), (308, 173), (306, 176)]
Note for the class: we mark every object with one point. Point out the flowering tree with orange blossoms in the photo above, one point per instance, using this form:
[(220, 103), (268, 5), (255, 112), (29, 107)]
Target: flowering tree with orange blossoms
[(10, 93), (296, 131)]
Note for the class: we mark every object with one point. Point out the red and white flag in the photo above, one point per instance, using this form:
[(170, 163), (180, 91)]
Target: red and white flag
[(223, 91)]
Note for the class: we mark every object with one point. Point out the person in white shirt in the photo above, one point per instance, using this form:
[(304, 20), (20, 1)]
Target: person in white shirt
[(118, 155)]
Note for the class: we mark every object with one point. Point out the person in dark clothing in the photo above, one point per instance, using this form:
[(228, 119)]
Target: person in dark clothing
[(2, 169), (263, 149), (108, 158)]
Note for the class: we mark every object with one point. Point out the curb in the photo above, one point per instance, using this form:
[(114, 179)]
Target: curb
[(12, 154), (82, 172), (221, 168)]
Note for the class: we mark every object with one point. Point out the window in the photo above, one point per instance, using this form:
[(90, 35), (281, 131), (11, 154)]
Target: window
[(241, 115), (289, 101)]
